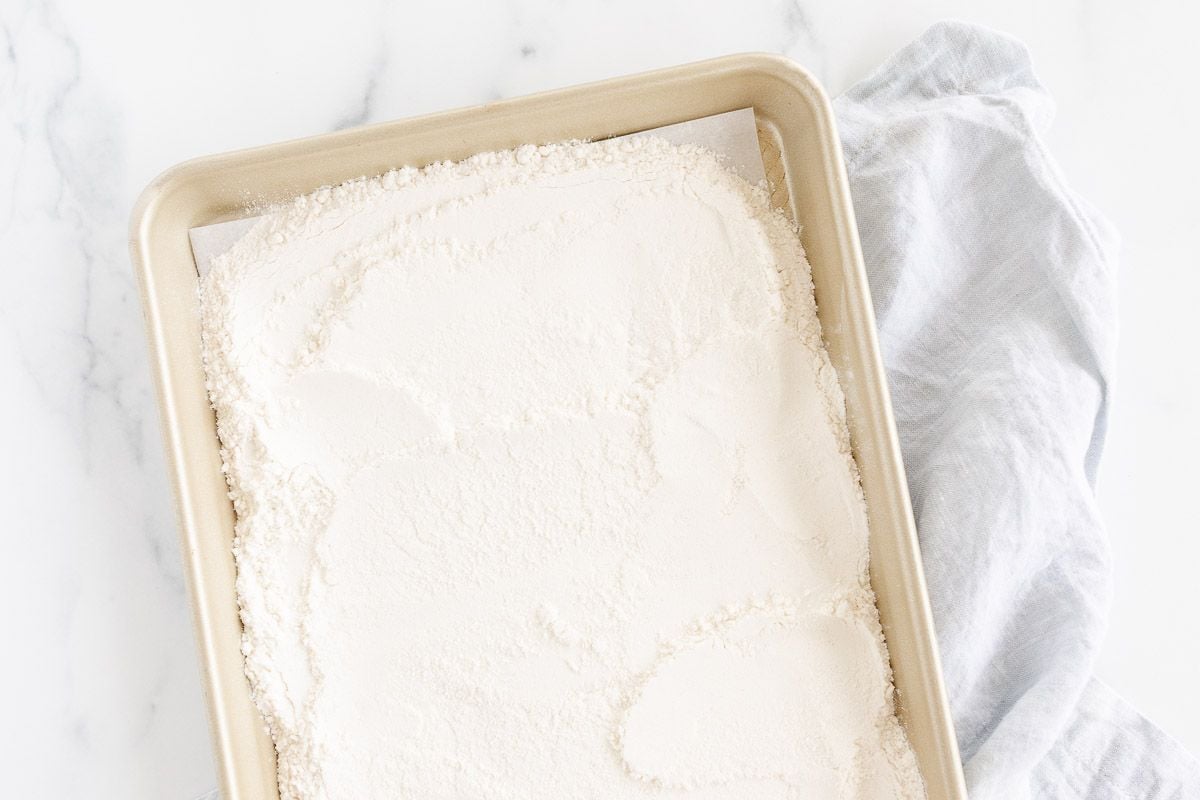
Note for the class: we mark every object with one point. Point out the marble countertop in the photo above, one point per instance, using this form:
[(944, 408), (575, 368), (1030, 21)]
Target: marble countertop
[(102, 697)]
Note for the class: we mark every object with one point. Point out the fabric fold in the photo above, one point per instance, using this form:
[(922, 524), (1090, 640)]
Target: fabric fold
[(994, 287)]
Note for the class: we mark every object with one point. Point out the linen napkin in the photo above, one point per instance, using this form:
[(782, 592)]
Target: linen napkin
[(994, 290)]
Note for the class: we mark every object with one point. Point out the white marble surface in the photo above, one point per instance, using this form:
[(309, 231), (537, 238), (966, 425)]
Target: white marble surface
[(100, 689)]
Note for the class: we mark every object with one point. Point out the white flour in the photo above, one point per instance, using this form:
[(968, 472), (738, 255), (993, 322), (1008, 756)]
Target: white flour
[(543, 489)]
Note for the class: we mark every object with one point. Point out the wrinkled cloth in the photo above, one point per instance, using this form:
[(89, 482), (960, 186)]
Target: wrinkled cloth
[(994, 291)]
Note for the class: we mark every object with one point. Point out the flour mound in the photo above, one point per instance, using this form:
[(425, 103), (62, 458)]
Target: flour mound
[(543, 489)]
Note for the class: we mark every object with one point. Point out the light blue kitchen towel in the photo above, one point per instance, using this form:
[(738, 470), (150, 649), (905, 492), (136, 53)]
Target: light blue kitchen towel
[(994, 290)]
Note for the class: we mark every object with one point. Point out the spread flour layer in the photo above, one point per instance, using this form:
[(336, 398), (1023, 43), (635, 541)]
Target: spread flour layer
[(543, 489)]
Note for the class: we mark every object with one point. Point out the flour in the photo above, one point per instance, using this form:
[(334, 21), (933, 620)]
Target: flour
[(543, 489)]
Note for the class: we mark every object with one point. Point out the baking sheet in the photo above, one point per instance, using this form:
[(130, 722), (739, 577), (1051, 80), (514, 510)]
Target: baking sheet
[(732, 134), (801, 154)]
